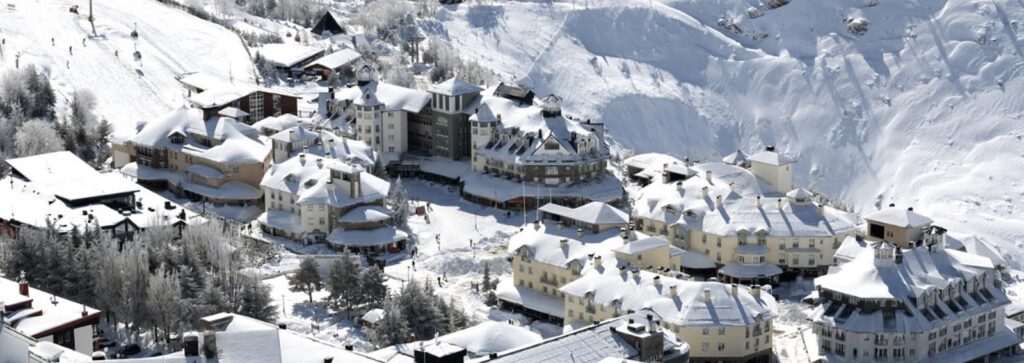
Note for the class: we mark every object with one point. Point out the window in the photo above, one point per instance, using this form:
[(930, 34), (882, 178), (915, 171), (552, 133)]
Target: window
[(705, 331), (65, 338), (721, 331), (703, 347), (721, 347)]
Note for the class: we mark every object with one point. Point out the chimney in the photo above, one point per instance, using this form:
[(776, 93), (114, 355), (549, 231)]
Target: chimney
[(759, 201), (651, 326), (536, 224), (821, 208), (679, 185), (704, 192), (563, 243), (657, 281), (328, 359), (688, 162), (190, 345), (664, 173), (320, 163), (735, 290), (579, 232), (302, 158), (755, 291), (23, 285), (623, 272), (718, 201), (707, 295), (707, 175), (210, 344), (673, 291), (597, 262), (780, 203), (623, 233)]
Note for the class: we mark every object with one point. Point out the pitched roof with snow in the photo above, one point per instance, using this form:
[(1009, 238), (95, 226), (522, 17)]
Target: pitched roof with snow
[(367, 213), (226, 93), (491, 337), (278, 123), (337, 59), (921, 273), (455, 86), (637, 289), (684, 203), (394, 98), (548, 248), (41, 314), (598, 213), (238, 143), (287, 55), (899, 217), (307, 180), (590, 344), (641, 245)]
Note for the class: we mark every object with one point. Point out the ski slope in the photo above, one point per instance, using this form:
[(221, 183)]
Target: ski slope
[(171, 42), (923, 110)]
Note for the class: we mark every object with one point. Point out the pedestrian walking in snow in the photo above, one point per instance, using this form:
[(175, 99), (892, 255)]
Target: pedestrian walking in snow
[(414, 265), (115, 53), (70, 51), (438, 281), (53, 42), (83, 42)]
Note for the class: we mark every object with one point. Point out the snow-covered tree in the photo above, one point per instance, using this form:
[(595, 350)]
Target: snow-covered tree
[(371, 286), (254, 299), (398, 201), (36, 137), (393, 328), (344, 283), (164, 302), (491, 299), (30, 90), (306, 279), (486, 283)]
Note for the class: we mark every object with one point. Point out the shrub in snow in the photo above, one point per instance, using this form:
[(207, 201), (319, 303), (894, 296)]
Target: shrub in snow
[(870, 2), (754, 12), (776, 3)]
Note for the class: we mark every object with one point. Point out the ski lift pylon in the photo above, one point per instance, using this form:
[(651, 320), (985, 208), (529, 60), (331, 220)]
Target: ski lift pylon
[(135, 31)]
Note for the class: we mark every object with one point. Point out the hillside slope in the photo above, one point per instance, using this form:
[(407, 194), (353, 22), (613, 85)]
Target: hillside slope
[(171, 42), (922, 110)]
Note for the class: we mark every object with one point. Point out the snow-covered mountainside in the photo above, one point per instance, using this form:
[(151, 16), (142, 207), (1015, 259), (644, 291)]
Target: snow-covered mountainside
[(922, 110), (127, 91)]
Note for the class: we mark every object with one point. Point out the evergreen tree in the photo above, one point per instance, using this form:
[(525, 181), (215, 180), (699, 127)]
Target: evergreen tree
[(371, 286), (393, 328), (255, 299), (344, 283), (491, 298), (306, 279), (398, 201)]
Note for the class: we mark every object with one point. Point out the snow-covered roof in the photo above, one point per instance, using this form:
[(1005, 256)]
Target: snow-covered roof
[(650, 160), (455, 86), (691, 259), (367, 213), (40, 313), (232, 112), (922, 272), (227, 93), (491, 337), (287, 54), (799, 193), (549, 248), (307, 178), (976, 245), (529, 130), (770, 157), (49, 168), (74, 202), (200, 80), (366, 237), (641, 245), (598, 213), (278, 123), (282, 220), (295, 134), (592, 343), (508, 291), (745, 271), (738, 158), (237, 142), (725, 305), (899, 217), (337, 59), (243, 339), (373, 316), (684, 203), (394, 98), (205, 171)]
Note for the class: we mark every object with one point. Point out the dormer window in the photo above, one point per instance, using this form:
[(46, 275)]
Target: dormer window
[(177, 138)]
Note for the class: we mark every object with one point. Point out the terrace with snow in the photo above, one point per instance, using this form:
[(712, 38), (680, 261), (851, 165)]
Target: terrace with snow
[(735, 213), (60, 190)]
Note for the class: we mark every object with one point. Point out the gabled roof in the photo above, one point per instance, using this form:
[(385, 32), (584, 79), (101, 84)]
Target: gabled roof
[(46, 312), (337, 59), (736, 158), (55, 167), (455, 86), (641, 245), (592, 213), (287, 55), (899, 217), (394, 98)]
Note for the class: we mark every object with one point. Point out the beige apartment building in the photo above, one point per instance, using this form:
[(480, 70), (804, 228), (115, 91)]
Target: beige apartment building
[(217, 159), (734, 216)]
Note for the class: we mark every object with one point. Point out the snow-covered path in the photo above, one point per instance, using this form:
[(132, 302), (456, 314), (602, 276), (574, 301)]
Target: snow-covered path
[(170, 42)]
